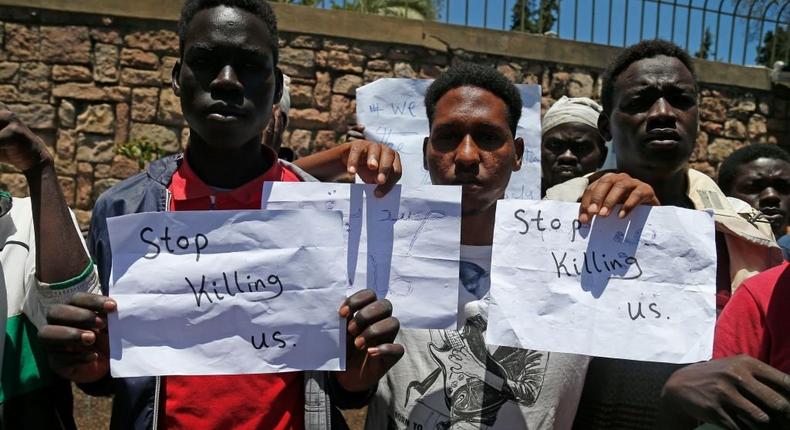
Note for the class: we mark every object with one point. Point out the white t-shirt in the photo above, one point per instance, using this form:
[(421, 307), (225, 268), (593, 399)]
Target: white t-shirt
[(450, 379)]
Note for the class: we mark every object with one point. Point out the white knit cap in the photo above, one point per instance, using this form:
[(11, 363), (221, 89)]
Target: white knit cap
[(285, 100), (566, 110)]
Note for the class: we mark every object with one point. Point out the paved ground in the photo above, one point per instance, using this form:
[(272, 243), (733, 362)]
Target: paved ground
[(93, 413)]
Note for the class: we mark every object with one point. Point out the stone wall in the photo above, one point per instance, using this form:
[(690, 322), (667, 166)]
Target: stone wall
[(90, 84)]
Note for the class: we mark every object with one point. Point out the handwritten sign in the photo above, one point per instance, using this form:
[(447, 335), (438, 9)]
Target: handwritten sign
[(393, 113), (640, 288), (226, 292), (405, 245)]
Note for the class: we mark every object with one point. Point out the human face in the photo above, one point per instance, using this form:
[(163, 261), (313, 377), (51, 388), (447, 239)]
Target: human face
[(653, 123), (570, 150), (470, 144), (226, 78), (765, 184)]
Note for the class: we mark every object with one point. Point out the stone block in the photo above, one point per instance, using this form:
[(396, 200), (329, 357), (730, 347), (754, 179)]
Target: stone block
[(144, 103), (84, 221), (323, 89), (139, 77), (105, 67), (342, 113), (67, 114), (68, 185), (102, 171), (712, 109), (139, 59), (572, 85), (63, 73), (381, 65), (101, 186), (9, 94), (165, 137), (301, 95), (65, 44), (721, 148), (758, 126), (340, 61), (91, 92), (108, 36), (401, 54), (122, 118), (372, 75), (155, 40), (94, 148), (301, 57), (299, 142), (84, 192), (166, 69), (324, 139), (14, 183), (734, 128), (66, 145), (8, 71), (99, 119), (336, 44), (403, 70), (35, 116), (169, 108), (34, 84), (308, 118), (124, 167), (700, 148), (347, 85), (430, 71), (304, 41), (22, 42), (511, 71)]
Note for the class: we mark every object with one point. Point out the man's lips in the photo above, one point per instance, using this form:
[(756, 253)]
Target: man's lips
[(662, 138), (224, 112)]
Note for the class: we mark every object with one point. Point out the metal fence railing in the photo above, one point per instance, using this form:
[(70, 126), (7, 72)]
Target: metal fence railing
[(733, 31)]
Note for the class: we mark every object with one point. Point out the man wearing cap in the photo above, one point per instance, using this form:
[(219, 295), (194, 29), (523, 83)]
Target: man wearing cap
[(571, 145)]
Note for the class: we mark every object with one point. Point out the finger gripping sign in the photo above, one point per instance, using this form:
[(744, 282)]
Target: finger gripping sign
[(226, 292), (640, 288)]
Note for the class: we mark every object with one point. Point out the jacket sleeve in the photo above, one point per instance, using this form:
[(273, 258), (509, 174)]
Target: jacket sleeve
[(346, 399)]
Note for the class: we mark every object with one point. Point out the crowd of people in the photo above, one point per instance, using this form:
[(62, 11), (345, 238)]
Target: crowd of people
[(632, 149)]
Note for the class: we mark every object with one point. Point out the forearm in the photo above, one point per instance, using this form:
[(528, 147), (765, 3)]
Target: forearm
[(328, 165), (59, 252)]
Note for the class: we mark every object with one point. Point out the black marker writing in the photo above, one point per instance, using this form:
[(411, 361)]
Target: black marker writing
[(182, 242)]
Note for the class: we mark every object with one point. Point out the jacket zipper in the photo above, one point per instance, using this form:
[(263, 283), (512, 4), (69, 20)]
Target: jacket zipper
[(158, 389)]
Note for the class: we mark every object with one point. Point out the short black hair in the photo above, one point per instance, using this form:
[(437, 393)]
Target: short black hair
[(259, 8), (474, 75), (744, 155), (634, 53)]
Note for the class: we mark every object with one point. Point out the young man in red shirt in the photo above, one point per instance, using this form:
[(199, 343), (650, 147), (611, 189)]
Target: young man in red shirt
[(227, 81)]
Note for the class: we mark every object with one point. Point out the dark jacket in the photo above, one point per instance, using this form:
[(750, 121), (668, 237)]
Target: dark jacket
[(137, 401)]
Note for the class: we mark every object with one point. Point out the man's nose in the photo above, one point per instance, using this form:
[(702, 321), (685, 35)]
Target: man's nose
[(567, 157), (468, 153), (226, 80), (769, 197), (661, 115)]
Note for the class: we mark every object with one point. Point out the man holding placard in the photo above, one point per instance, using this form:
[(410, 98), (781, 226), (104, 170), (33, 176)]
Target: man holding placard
[(450, 378), (650, 113), (227, 82)]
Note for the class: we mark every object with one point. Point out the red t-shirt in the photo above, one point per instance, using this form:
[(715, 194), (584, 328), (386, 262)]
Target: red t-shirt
[(245, 402), (754, 322)]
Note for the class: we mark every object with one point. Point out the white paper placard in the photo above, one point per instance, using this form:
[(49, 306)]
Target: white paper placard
[(640, 288), (405, 245), (226, 292)]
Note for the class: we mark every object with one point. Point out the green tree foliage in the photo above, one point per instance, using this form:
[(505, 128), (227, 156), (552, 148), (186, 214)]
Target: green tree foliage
[(767, 53), (534, 16), (414, 9), (704, 48)]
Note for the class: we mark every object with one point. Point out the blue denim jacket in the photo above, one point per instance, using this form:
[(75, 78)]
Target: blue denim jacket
[(137, 401)]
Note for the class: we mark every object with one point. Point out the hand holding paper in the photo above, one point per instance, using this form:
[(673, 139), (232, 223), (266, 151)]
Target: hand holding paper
[(371, 331), (76, 337)]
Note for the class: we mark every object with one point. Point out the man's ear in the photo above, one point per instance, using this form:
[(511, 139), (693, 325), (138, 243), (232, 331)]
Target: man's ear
[(519, 144), (278, 85), (604, 127), (176, 74), (425, 153)]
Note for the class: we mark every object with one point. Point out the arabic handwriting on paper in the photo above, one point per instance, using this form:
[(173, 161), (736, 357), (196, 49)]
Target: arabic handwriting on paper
[(642, 288), (226, 292), (405, 245), (393, 112)]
